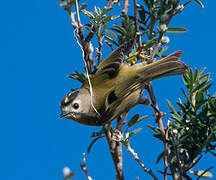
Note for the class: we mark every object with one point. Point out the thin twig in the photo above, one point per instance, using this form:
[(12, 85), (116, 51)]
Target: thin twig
[(82, 40), (99, 50), (79, 23), (137, 25), (135, 155), (84, 168)]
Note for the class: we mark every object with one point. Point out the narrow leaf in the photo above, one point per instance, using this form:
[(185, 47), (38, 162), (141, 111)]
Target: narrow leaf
[(171, 106), (134, 132), (106, 11), (176, 30), (154, 129), (88, 14), (133, 120), (159, 157), (110, 40), (121, 29), (110, 33)]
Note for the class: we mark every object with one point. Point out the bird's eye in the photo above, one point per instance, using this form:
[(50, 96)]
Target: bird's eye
[(75, 105)]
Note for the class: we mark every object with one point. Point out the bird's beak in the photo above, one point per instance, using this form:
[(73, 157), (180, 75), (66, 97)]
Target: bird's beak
[(63, 114)]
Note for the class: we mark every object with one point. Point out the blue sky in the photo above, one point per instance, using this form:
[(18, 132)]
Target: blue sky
[(38, 51)]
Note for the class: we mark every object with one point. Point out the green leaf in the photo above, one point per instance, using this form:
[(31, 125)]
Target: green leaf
[(106, 11), (96, 12), (185, 4), (134, 132), (133, 120), (188, 99), (153, 128), (176, 30), (78, 76), (110, 40), (200, 3), (200, 86), (160, 157), (114, 17), (110, 33), (201, 71), (204, 77), (195, 76), (106, 19), (206, 88), (141, 12), (120, 29), (171, 106), (181, 107), (186, 79), (213, 153), (88, 14)]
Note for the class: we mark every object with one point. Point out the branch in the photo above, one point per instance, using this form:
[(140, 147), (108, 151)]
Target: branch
[(115, 149), (84, 43), (164, 133), (137, 24), (84, 168), (135, 155), (99, 49), (79, 29)]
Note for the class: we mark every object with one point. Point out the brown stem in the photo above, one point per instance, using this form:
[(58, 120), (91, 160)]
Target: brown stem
[(137, 24), (79, 23), (100, 44), (164, 133), (135, 155), (82, 41), (115, 149)]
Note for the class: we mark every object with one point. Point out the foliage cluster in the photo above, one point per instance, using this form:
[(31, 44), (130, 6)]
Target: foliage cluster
[(191, 132)]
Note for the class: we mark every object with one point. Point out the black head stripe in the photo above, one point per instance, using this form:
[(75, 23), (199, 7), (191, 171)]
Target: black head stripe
[(69, 98)]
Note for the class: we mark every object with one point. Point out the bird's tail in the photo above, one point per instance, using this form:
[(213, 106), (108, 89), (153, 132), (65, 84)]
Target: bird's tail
[(168, 66)]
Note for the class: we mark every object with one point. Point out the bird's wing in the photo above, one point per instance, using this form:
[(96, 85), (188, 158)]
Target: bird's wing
[(110, 66), (170, 65)]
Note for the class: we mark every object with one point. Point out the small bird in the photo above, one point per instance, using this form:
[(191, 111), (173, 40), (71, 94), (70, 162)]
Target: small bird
[(116, 87)]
